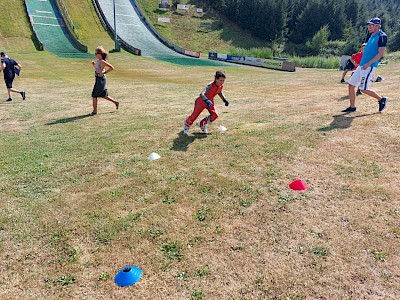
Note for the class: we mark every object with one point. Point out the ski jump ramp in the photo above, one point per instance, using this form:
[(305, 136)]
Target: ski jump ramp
[(133, 31), (51, 30)]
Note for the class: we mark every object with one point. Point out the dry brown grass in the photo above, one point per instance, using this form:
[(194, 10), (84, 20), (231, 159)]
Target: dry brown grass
[(79, 197)]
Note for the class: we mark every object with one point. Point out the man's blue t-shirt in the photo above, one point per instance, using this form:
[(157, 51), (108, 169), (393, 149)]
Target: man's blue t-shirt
[(9, 71), (375, 41)]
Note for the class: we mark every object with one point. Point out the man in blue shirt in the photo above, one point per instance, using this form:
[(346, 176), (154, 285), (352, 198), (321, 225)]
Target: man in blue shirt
[(363, 75), (9, 68)]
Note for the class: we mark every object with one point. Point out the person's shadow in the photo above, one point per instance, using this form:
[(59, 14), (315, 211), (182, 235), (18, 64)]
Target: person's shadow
[(67, 120), (342, 121), (182, 142)]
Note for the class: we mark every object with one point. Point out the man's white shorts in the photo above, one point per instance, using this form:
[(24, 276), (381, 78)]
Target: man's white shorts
[(362, 78)]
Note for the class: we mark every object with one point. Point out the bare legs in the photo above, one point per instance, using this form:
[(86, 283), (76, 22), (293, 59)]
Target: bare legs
[(344, 74), (372, 94), (112, 100), (95, 100), (12, 90), (352, 95)]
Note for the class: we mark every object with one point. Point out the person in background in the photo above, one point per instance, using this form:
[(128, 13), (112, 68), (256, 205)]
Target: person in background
[(10, 67), (353, 62), (100, 87)]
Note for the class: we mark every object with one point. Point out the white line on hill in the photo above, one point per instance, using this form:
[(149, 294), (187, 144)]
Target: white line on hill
[(45, 12), (128, 24), (44, 17), (125, 15), (44, 24)]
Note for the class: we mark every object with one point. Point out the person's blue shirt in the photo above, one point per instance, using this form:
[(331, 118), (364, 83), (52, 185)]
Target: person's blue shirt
[(375, 42), (9, 71)]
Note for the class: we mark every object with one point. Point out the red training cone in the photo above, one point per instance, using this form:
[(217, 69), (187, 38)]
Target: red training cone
[(298, 185)]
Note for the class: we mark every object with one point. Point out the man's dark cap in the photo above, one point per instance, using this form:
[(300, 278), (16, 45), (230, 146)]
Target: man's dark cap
[(375, 21)]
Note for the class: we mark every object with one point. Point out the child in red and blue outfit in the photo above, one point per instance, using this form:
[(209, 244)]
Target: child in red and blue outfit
[(353, 62), (206, 101)]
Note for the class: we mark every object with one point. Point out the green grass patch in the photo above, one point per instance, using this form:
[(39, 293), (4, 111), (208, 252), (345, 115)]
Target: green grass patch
[(104, 276), (197, 295), (172, 250), (378, 255), (320, 251)]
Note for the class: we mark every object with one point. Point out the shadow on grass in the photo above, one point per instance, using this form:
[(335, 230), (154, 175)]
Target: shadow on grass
[(182, 142), (342, 121), (67, 120), (347, 97)]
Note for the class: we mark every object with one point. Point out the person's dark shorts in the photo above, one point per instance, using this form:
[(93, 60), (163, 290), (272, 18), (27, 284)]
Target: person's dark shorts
[(349, 65), (100, 89), (9, 82)]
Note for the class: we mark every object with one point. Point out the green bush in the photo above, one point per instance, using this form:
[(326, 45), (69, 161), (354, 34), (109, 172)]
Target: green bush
[(319, 40), (333, 48), (253, 52), (321, 62)]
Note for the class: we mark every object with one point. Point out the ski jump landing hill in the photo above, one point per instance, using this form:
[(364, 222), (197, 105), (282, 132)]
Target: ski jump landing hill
[(138, 36), (51, 30)]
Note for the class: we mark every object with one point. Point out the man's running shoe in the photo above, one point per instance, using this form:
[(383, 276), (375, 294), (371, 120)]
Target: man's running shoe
[(382, 103), (349, 109)]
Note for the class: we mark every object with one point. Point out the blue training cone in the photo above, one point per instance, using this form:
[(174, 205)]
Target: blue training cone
[(128, 276)]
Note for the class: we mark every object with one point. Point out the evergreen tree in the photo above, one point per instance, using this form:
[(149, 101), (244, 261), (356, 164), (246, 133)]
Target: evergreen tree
[(298, 21), (311, 19)]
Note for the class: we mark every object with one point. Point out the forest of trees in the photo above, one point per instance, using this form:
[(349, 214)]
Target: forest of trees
[(312, 26)]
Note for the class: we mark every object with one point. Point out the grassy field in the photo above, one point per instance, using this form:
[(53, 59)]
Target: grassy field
[(87, 24), (15, 32), (213, 218), (185, 31)]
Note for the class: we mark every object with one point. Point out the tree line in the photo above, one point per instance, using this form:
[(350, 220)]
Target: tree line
[(312, 26)]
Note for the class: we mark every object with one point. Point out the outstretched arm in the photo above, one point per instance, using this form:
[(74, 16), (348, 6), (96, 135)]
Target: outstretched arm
[(222, 96)]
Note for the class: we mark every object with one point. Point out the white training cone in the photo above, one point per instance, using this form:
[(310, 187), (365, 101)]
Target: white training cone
[(222, 128), (153, 156)]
